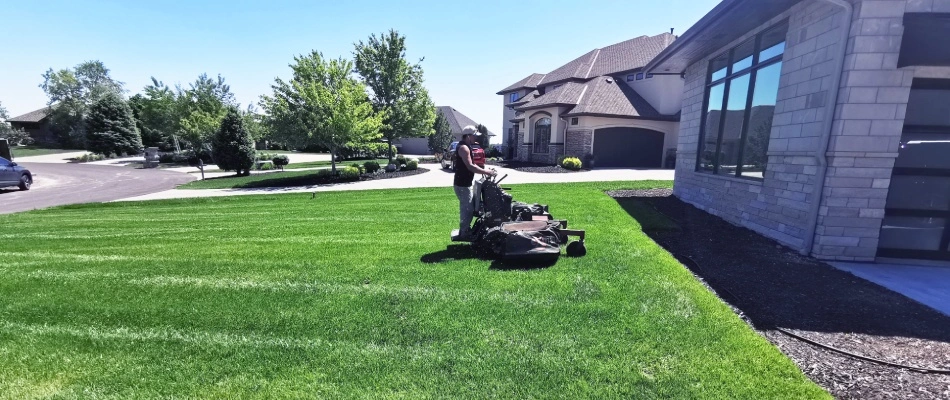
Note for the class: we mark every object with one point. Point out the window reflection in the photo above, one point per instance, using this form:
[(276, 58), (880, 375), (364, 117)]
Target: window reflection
[(713, 117), (764, 98), (735, 120)]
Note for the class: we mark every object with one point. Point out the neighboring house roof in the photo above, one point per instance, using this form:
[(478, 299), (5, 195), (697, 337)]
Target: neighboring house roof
[(529, 82), (625, 56), (604, 96), (32, 116), (726, 22), (457, 120)]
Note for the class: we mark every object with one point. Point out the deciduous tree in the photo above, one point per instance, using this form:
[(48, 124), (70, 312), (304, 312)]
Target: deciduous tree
[(71, 93)]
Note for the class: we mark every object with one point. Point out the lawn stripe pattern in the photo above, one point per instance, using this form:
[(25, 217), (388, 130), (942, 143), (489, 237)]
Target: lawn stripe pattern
[(356, 295)]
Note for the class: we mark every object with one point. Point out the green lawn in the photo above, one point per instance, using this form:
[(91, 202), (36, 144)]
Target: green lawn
[(316, 164), (356, 295), (29, 151)]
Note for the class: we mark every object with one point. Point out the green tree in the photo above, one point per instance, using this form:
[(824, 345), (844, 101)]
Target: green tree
[(13, 136), (232, 147), (482, 138), (156, 114), (441, 139), (201, 108), (397, 87), (110, 127), (323, 105), (71, 93)]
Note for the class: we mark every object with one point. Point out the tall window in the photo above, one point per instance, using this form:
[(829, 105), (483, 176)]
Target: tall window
[(741, 92), (513, 97), (542, 135)]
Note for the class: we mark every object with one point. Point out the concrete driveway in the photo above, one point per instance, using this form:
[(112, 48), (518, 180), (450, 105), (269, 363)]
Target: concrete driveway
[(56, 183), (435, 177)]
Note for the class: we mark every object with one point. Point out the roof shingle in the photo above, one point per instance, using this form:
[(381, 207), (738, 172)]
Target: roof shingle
[(530, 82), (620, 57), (32, 116), (605, 96)]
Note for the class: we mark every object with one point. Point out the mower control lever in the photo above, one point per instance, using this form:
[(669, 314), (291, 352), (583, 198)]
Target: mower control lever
[(498, 182)]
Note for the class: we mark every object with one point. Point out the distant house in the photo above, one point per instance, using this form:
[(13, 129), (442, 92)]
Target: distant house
[(457, 121), (36, 124), (602, 107)]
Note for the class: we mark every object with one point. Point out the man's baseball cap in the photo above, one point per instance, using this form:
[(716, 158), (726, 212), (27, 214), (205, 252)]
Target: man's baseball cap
[(469, 130)]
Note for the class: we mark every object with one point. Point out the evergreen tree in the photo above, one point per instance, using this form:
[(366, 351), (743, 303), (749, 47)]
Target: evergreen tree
[(442, 138), (110, 127), (232, 147)]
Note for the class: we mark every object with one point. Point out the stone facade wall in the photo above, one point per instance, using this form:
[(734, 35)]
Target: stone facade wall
[(579, 143), (777, 205), (866, 133)]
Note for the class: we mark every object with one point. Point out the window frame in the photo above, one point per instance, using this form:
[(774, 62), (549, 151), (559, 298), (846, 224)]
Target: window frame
[(640, 76), (513, 97), (726, 81), (575, 121), (536, 142)]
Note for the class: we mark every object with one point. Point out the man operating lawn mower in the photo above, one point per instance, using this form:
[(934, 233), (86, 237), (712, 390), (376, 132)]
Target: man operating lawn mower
[(465, 170)]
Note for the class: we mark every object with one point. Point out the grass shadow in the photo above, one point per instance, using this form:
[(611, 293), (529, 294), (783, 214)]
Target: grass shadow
[(775, 286), (452, 252)]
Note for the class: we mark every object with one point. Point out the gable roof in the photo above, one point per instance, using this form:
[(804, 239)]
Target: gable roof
[(32, 116), (457, 120), (567, 94), (605, 96), (529, 82), (620, 57)]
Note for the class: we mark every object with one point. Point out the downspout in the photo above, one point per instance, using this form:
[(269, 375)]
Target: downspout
[(821, 156)]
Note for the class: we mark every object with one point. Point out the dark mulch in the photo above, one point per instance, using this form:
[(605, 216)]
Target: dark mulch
[(533, 167), (773, 287), (315, 180)]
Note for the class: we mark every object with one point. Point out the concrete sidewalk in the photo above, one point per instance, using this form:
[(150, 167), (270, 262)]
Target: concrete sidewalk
[(927, 285), (435, 177)]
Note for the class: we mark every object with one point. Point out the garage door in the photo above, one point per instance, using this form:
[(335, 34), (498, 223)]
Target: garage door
[(628, 148)]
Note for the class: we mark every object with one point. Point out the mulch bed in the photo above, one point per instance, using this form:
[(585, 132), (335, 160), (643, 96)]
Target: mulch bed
[(534, 167), (314, 180), (773, 287)]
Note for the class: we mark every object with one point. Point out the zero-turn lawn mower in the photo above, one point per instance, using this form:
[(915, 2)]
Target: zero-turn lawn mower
[(509, 230)]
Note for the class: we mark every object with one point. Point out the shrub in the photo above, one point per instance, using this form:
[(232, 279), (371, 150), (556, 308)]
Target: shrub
[(371, 167), (280, 160), (428, 160), (493, 152), (571, 163), (349, 174), (265, 167), (412, 165), (323, 173), (166, 158), (358, 167), (90, 157), (400, 160)]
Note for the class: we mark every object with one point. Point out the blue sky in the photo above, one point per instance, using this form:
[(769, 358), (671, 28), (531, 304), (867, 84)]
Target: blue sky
[(471, 49)]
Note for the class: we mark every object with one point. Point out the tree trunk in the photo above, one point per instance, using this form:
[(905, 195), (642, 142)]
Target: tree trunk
[(333, 160), (390, 150)]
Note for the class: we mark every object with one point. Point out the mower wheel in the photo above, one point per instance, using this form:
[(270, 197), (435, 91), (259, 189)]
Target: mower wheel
[(576, 249)]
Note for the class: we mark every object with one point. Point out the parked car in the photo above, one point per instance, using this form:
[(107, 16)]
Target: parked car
[(448, 160), (11, 174)]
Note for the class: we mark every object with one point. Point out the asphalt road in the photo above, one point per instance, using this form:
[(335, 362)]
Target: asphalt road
[(61, 184)]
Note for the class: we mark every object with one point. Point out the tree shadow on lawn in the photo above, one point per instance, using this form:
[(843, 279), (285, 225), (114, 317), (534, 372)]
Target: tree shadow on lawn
[(466, 252), (775, 286)]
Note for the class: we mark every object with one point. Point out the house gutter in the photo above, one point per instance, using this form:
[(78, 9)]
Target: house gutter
[(821, 156)]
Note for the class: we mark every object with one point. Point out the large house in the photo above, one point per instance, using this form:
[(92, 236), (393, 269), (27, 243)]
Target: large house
[(602, 107), (457, 121), (823, 124)]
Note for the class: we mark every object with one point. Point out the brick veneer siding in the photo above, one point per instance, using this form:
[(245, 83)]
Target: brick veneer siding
[(579, 143), (776, 206)]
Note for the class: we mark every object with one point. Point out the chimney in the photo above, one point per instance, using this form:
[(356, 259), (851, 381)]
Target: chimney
[(671, 30)]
